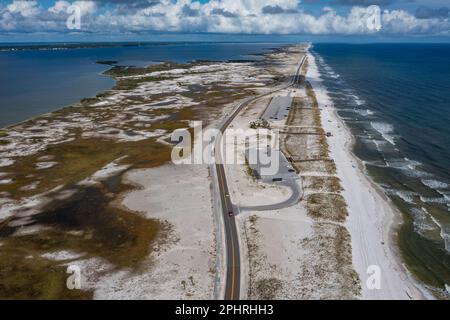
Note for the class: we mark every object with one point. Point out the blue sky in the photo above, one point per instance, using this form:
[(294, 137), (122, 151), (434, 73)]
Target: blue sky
[(46, 20), (341, 6)]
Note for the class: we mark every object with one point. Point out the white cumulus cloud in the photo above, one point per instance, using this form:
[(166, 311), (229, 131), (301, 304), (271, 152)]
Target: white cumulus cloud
[(24, 8), (222, 16)]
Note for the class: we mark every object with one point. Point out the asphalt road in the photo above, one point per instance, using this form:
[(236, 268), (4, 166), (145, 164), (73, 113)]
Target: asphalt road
[(233, 278)]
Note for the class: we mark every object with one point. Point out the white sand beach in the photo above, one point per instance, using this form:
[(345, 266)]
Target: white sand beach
[(372, 218)]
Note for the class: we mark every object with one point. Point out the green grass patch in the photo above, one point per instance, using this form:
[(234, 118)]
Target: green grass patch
[(26, 275), (86, 224), (133, 83), (80, 159)]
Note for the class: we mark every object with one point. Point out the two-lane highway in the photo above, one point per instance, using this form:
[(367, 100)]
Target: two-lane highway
[(233, 276)]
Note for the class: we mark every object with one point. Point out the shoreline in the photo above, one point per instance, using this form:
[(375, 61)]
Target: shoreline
[(368, 239), (123, 127), (110, 66), (395, 219), (70, 105), (373, 220), (300, 251)]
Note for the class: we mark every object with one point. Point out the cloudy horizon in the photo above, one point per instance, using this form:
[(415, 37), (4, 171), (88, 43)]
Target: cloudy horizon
[(104, 18)]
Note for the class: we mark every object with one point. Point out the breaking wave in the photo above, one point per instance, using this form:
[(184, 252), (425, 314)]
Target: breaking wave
[(385, 129), (364, 112), (358, 100), (434, 184), (422, 221)]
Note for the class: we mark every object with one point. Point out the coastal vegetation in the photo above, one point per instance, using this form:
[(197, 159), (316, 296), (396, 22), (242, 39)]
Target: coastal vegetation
[(305, 142), (62, 173)]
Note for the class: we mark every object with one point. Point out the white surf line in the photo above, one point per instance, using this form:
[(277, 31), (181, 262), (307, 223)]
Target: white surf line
[(371, 215)]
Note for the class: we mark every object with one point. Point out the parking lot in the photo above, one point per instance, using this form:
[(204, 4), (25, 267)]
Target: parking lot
[(278, 108)]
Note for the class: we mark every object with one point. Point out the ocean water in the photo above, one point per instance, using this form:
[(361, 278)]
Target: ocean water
[(395, 98), (40, 78)]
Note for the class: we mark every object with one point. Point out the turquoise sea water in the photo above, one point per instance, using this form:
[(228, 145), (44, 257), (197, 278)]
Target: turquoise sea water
[(394, 97), (396, 100)]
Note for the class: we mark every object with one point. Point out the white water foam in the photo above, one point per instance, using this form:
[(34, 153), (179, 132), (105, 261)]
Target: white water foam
[(437, 200), (379, 164), (434, 184), (412, 164), (410, 169), (446, 195), (445, 235), (422, 221), (333, 75), (364, 112), (379, 144), (385, 129), (407, 196), (328, 70), (407, 166), (358, 100)]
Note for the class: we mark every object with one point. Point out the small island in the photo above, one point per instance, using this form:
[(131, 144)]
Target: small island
[(107, 62)]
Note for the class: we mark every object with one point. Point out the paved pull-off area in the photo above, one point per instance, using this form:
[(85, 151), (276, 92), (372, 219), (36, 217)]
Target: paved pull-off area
[(232, 287)]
